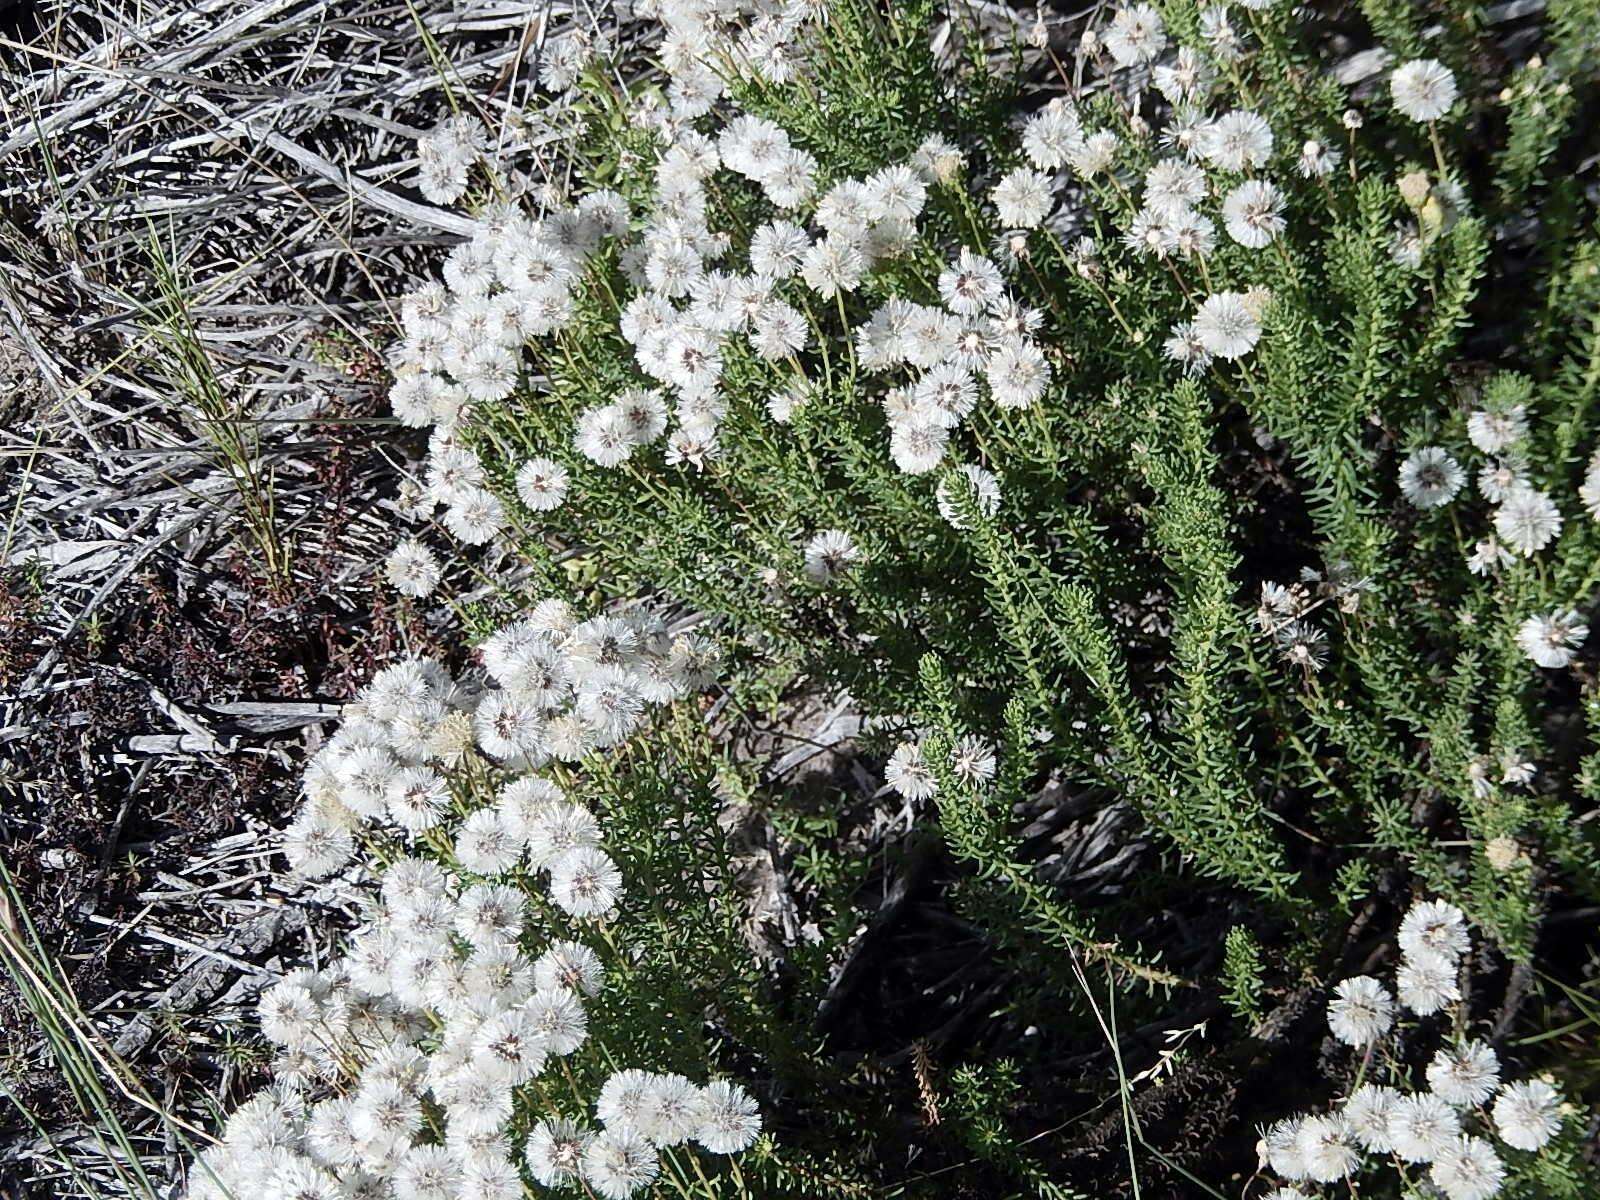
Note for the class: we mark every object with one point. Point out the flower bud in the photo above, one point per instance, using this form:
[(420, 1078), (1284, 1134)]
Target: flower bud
[(1414, 189)]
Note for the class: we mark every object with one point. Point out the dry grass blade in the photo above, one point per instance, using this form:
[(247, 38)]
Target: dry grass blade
[(79, 1054)]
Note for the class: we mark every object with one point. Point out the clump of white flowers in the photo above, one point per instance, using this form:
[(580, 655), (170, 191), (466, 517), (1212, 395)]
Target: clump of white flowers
[(445, 157), (1449, 1127), (698, 301), (971, 761), (1287, 613), (694, 311), (402, 1068), (1525, 521), (404, 1065), (561, 688)]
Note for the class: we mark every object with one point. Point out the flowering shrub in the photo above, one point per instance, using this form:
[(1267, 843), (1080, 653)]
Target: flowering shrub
[(1164, 447), (871, 396)]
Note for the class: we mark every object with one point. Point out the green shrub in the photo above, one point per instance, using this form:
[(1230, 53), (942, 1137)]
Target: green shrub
[(1200, 462)]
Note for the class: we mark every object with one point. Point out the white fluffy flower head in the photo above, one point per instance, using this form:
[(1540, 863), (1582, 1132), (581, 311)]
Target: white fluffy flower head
[(1423, 89), (1361, 1011)]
